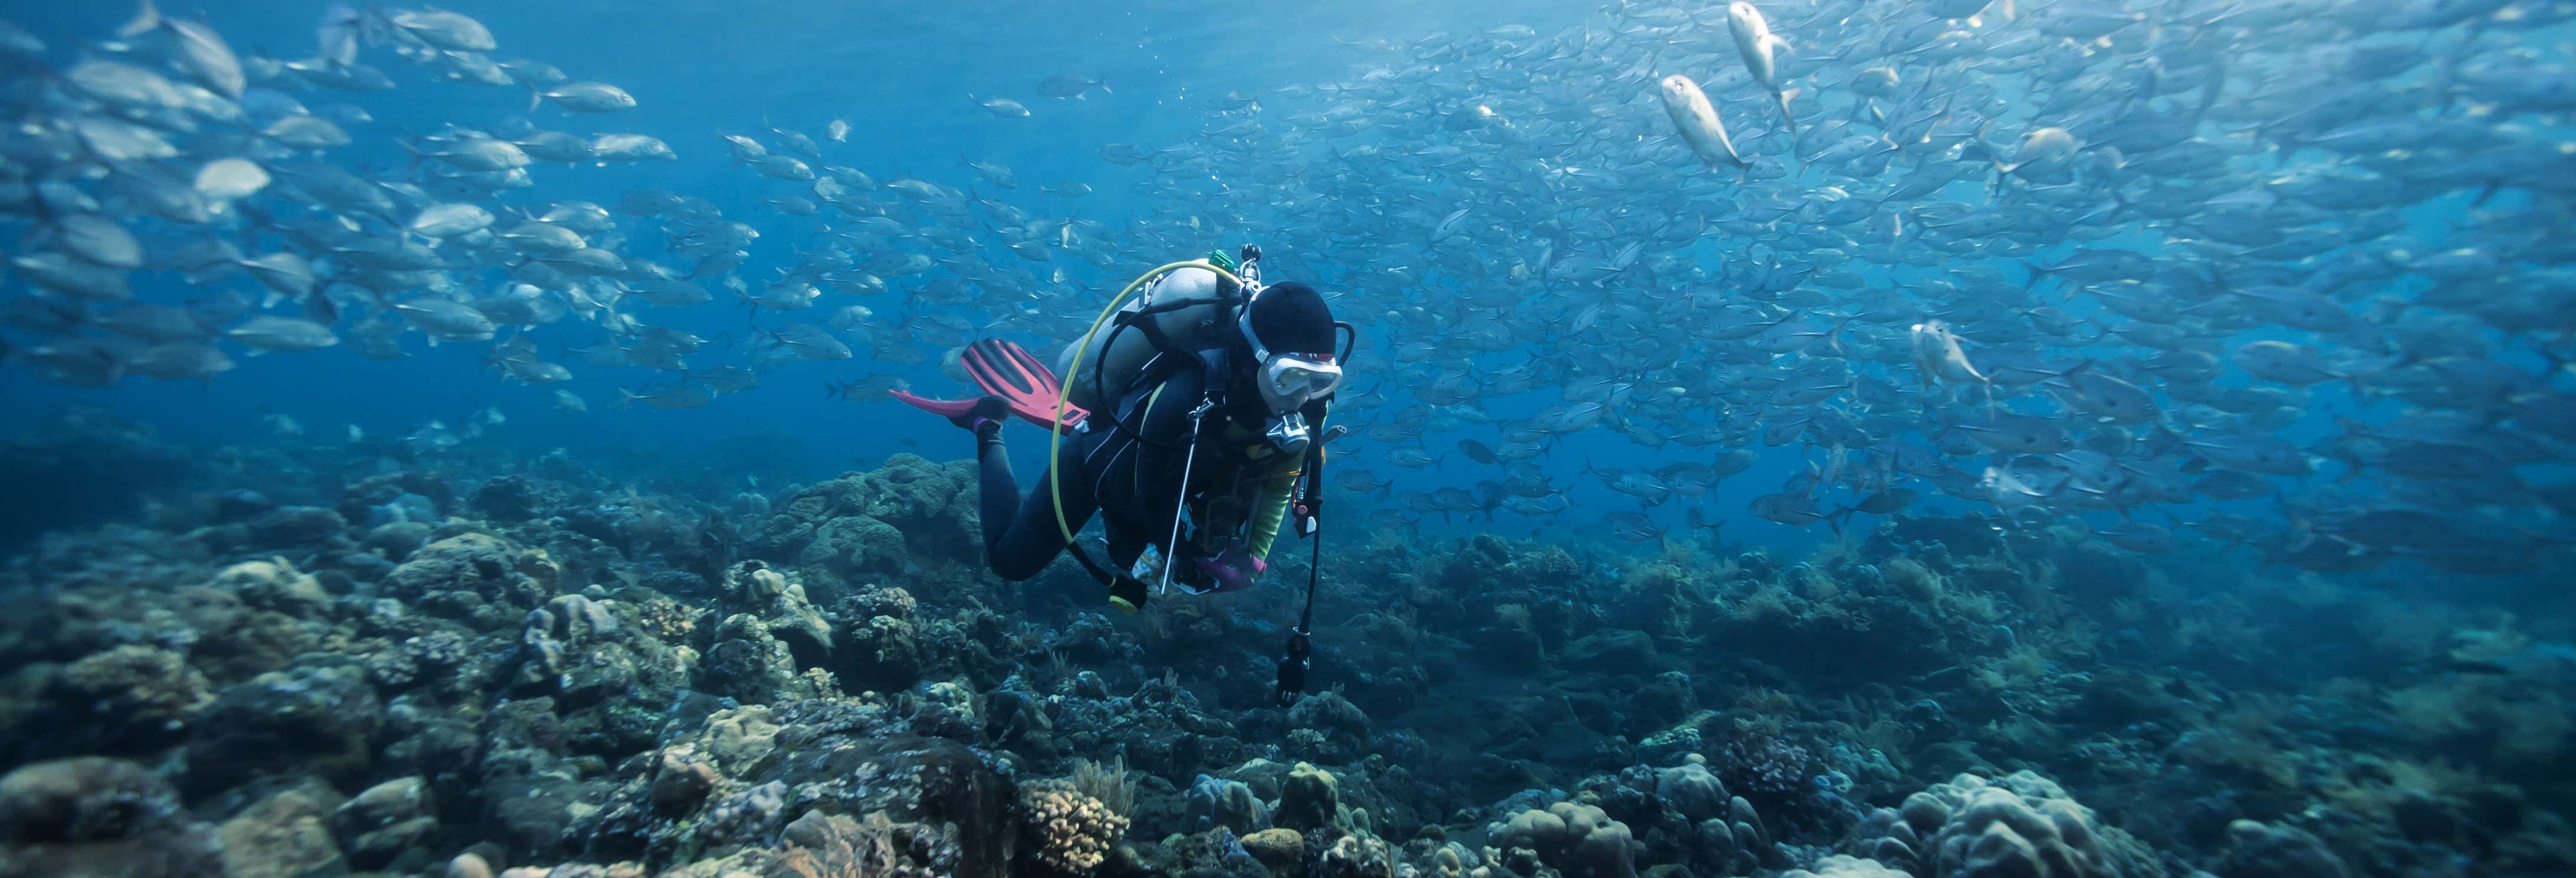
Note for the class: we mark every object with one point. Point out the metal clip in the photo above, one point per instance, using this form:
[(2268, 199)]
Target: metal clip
[(1180, 505)]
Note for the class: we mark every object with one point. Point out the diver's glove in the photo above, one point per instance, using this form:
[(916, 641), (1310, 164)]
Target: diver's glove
[(1231, 570), (984, 418)]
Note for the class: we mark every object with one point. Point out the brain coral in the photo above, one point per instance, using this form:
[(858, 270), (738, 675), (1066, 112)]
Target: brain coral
[(1580, 841), (2021, 825)]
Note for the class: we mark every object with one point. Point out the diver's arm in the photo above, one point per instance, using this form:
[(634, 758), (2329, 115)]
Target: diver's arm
[(1279, 492), (1270, 511)]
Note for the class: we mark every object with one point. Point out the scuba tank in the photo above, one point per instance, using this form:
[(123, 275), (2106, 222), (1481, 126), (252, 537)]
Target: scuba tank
[(1186, 309)]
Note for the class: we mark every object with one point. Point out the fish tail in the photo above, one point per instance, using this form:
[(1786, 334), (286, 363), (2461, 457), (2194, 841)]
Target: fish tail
[(2209, 93), (2120, 204), (146, 19), (2361, 392), (2037, 274)]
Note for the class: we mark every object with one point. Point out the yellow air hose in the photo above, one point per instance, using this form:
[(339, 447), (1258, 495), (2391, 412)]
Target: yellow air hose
[(1064, 385)]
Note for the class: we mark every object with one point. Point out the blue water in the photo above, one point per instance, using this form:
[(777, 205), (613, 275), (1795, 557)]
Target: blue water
[(900, 74), (2260, 690)]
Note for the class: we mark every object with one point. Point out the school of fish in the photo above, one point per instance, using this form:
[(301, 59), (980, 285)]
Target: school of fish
[(2164, 270)]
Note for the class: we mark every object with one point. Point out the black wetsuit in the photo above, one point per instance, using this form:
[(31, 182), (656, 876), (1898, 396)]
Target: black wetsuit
[(1135, 483)]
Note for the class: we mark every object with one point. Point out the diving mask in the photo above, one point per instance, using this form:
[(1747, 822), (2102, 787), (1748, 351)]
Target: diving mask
[(1289, 381)]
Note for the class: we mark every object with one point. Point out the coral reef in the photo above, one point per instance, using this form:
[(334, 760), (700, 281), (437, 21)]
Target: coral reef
[(95, 817), (526, 667), (321, 721), (876, 522)]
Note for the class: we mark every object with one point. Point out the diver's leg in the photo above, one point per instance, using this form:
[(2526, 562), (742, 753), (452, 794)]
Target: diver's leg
[(1022, 537), (999, 489)]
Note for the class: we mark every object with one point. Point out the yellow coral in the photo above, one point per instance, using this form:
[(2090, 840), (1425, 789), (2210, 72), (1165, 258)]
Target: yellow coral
[(1066, 831)]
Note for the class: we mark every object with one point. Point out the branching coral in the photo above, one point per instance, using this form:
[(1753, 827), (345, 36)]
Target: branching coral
[(1063, 830)]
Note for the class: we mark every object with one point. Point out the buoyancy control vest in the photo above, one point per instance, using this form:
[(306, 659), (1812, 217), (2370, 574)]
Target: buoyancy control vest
[(1231, 459)]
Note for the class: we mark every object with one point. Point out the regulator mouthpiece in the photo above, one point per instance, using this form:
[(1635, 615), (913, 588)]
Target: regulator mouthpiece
[(1289, 433)]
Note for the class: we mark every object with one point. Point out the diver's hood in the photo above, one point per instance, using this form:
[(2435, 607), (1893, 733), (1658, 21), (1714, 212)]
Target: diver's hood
[(1287, 380)]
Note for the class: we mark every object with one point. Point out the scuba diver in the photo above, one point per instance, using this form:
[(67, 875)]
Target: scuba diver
[(1191, 423)]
